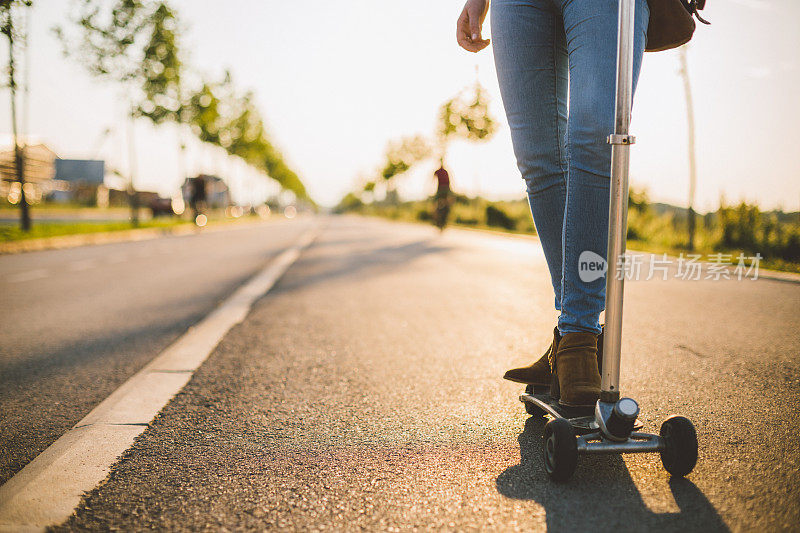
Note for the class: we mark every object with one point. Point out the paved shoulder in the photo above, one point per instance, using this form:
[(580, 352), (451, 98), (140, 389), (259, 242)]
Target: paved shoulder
[(86, 319), (364, 393)]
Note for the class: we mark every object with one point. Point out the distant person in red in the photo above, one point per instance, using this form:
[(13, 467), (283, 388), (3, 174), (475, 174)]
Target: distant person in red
[(443, 182), (443, 197)]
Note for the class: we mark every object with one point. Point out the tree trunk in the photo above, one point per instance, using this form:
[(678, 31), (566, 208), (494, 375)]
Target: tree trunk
[(19, 156), (690, 137), (133, 198), (24, 212)]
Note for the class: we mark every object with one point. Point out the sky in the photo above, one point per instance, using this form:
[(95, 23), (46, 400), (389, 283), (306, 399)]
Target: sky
[(337, 81)]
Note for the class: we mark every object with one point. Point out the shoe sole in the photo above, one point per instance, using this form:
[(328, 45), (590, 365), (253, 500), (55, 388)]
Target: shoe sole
[(527, 382), (576, 410)]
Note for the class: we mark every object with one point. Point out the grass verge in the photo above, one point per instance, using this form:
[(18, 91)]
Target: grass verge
[(12, 233)]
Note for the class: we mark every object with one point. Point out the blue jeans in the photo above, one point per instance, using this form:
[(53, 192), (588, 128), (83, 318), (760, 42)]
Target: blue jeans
[(547, 51)]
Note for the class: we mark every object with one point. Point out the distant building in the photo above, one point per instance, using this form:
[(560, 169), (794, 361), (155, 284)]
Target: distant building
[(80, 181), (88, 171), (48, 176)]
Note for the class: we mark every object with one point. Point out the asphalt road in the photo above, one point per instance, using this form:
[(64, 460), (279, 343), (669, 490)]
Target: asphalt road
[(77, 323), (365, 392)]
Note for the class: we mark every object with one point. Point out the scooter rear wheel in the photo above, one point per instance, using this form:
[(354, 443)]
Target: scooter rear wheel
[(679, 455), (560, 449)]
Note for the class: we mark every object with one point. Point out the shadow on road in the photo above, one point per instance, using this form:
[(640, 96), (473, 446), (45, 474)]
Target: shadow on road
[(602, 495), (372, 261)]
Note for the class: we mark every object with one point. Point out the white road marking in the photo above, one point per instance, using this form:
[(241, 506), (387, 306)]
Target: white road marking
[(30, 275), (49, 488)]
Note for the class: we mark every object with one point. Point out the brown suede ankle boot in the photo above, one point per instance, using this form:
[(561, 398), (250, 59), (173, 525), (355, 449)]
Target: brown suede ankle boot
[(576, 378), (538, 373)]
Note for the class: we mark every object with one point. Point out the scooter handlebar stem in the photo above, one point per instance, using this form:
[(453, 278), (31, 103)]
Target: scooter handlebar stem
[(618, 202)]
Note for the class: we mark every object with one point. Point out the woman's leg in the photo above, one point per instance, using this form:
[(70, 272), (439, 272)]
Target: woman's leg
[(531, 60), (591, 32)]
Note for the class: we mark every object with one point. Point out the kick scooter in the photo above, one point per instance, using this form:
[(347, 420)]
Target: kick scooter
[(613, 428)]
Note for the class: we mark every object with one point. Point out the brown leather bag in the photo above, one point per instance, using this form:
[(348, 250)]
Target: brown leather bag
[(672, 23)]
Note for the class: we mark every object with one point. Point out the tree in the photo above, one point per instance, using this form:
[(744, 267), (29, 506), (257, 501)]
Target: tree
[(109, 46), (402, 154), (136, 43), (9, 28), (163, 79), (162, 70), (219, 115), (466, 116)]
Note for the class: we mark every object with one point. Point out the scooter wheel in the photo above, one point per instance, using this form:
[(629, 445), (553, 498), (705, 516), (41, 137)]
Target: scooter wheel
[(560, 449), (680, 445)]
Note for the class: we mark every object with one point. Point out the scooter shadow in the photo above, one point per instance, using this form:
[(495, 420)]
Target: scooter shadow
[(601, 496)]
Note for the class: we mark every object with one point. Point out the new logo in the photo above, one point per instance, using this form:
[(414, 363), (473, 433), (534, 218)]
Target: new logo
[(591, 266)]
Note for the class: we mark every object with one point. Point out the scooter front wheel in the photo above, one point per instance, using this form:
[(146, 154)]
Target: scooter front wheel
[(679, 455), (560, 449)]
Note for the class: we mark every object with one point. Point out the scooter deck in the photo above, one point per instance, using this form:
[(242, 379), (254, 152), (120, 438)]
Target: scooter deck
[(581, 420)]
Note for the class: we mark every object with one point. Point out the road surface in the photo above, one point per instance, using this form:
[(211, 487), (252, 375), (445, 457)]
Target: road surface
[(77, 323), (364, 391)]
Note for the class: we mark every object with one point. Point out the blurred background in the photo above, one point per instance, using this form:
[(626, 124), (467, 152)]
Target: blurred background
[(352, 105)]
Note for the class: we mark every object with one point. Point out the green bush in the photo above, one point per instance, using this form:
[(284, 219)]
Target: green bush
[(350, 202), (633, 234), (739, 227), (467, 221), (498, 218)]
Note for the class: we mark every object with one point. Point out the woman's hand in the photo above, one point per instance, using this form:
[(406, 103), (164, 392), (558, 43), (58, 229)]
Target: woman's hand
[(468, 27)]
